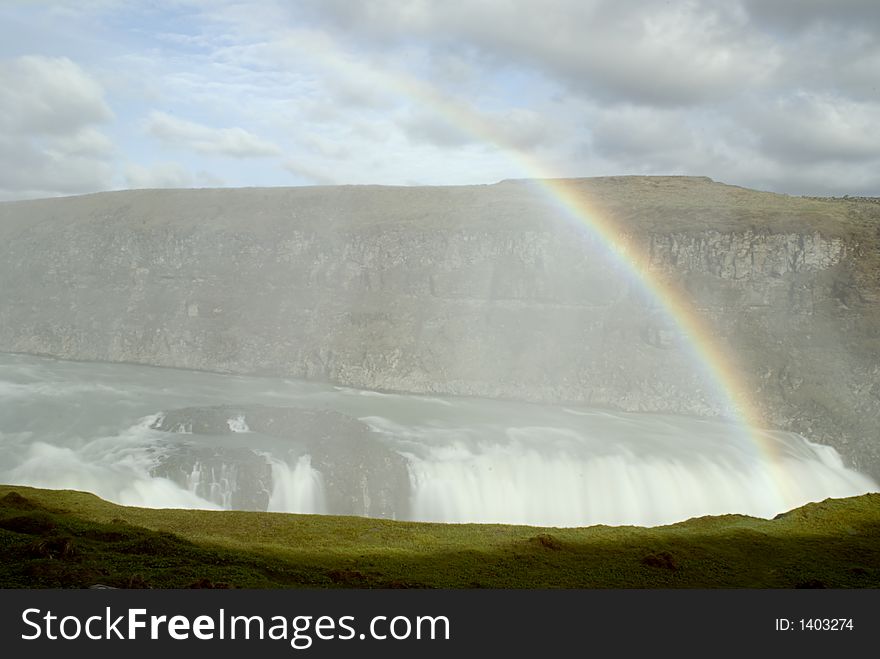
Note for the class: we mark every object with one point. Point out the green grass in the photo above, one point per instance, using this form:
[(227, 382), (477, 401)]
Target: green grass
[(66, 539)]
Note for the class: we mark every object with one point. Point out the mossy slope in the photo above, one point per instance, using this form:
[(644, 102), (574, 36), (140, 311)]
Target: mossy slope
[(67, 539)]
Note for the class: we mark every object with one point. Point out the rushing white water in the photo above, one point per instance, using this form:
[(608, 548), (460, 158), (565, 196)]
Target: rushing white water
[(115, 467), (238, 424), (657, 470), (296, 488), (522, 485), (88, 427)]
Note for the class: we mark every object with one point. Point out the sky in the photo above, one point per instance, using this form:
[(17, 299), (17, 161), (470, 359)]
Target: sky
[(780, 95)]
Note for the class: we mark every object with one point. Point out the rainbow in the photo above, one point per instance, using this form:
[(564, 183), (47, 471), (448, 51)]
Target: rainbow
[(716, 362), (575, 206)]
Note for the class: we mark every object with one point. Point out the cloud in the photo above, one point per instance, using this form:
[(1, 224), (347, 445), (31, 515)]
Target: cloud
[(350, 87), (637, 133), (524, 129), (515, 128), (697, 87), (643, 52), (808, 14), (232, 142), (714, 87), (309, 174), (814, 129), (50, 142), (29, 170), (85, 142), (49, 96), (830, 62), (158, 175), (748, 92), (169, 174), (208, 180), (425, 126)]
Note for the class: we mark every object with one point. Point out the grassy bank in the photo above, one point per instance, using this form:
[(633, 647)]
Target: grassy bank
[(72, 539)]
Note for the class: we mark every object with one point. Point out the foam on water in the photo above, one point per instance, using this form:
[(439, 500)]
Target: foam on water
[(116, 468)]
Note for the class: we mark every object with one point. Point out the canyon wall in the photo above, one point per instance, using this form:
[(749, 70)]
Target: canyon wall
[(495, 291)]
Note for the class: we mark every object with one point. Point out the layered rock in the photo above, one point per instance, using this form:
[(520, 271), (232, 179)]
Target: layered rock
[(488, 290)]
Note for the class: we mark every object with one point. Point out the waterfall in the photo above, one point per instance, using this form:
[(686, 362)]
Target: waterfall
[(296, 488), (468, 459), (517, 482), (216, 484)]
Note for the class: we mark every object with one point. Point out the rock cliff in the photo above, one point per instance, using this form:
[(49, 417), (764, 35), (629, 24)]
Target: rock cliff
[(481, 290)]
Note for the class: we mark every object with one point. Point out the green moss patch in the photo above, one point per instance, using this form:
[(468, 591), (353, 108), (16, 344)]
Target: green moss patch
[(65, 539)]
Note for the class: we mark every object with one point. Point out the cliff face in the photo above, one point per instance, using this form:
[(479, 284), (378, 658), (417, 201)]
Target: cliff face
[(483, 291)]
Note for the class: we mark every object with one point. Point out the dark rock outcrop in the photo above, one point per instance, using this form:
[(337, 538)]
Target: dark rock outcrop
[(361, 476)]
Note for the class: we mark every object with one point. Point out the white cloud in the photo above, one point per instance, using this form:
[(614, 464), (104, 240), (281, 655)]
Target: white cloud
[(665, 87), (745, 91), (49, 96), (28, 170), (233, 142), (50, 111), (169, 174), (86, 142)]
